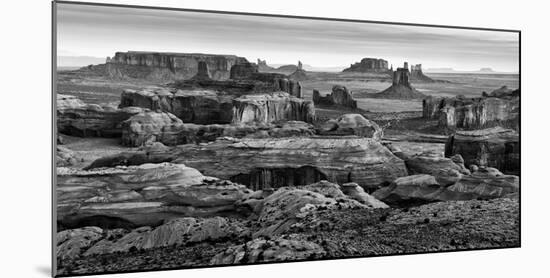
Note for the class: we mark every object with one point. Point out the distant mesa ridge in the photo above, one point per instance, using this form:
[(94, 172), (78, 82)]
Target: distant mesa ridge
[(369, 65), (169, 65)]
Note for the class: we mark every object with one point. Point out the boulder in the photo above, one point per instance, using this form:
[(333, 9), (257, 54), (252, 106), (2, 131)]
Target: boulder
[(287, 205), (90, 120), (352, 124), (492, 147), (274, 107), (369, 65), (418, 189), (148, 194), (356, 192)]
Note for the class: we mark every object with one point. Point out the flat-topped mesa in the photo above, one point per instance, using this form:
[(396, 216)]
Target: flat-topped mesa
[(169, 66), (474, 113), (245, 79), (401, 87), (274, 107), (369, 65), (339, 96)]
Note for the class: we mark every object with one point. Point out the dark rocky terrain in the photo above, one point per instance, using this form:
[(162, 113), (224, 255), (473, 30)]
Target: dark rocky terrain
[(212, 160)]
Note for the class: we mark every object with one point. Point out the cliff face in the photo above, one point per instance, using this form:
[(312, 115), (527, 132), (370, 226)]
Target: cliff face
[(272, 163), (339, 96), (493, 147), (271, 108), (90, 120), (369, 65), (472, 113), (155, 65), (418, 76)]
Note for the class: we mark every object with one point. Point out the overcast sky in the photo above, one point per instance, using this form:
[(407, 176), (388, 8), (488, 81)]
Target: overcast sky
[(101, 31)]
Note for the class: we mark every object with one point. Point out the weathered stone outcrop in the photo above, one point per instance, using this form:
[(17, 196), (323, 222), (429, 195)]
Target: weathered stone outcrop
[(169, 66), (369, 65), (272, 163), (193, 133), (178, 231), (245, 79), (339, 96), (71, 243), (133, 196), (269, 250), (401, 87), (473, 113), (417, 189), (418, 76), (352, 124), (446, 170), (493, 147), (274, 107), (191, 106), (90, 120), (65, 157), (148, 126)]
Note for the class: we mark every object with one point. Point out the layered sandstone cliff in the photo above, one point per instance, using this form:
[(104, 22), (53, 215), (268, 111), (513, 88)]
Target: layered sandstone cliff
[(274, 107), (369, 65), (493, 147), (472, 113), (152, 65)]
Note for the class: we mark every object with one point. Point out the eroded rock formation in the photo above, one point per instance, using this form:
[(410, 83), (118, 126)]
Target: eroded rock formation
[(90, 120), (169, 66), (352, 124), (474, 113), (369, 65), (272, 163), (339, 96), (132, 196), (418, 76), (493, 147), (273, 107), (401, 87)]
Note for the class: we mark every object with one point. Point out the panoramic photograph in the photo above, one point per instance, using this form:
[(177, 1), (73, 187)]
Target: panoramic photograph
[(190, 138)]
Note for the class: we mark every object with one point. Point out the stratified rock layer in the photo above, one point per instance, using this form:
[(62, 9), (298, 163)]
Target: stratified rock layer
[(272, 163), (127, 197), (493, 147), (401, 87), (352, 124), (271, 108), (369, 65), (90, 120), (473, 113)]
